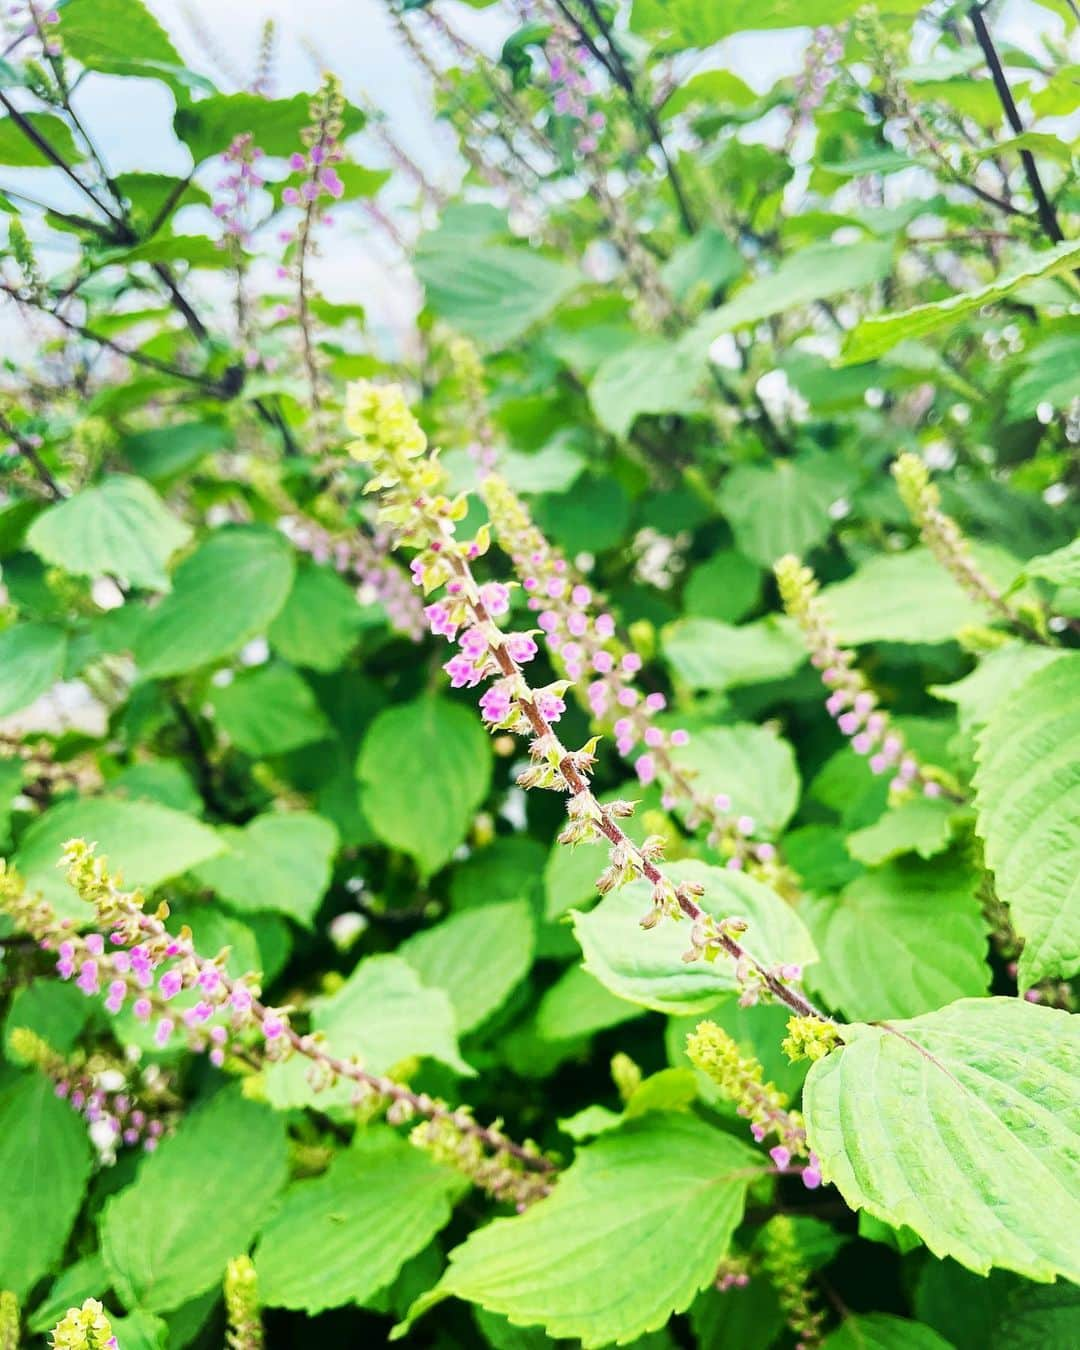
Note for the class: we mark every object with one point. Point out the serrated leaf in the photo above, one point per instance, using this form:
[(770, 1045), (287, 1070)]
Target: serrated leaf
[(1027, 796), (883, 1331), (379, 1203), (750, 764), (876, 959), (269, 711), (44, 1168), (319, 622), (782, 508), (477, 958), (873, 336), (491, 292), (905, 597), (101, 34), (31, 661), (708, 654), (1062, 567), (993, 679), (280, 861), (121, 528), (652, 376), (424, 767), (930, 1122), (921, 825), (646, 967), (159, 1243), (227, 591), (146, 842), (384, 1014), (604, 1257)]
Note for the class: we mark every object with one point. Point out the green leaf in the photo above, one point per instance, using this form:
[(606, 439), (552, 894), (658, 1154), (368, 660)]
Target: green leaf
[(699, 23), (1046, 1318), (477, 958), (709, 261), (379, 1203), (921, 825), (1028, 813), (44, 1168), (492, 292), (163, 452), (1062, 567), (577, 1005), (712, 655), (652, 376), (727, 586), (781, 509), (17, 151), (208, 126), (269, 711), (901, 597), (228, 591), (647, 967), (873, 336), (385, 1015), (110, 35), (148, 843), (280, 861), (812, 273), (998, 673), (195, 1203), (121, 528), (56, 1012), (31, 661), (84, 1278), (930, 1122), (882, 1331), (319, 623), (877, 960), (424, 767), (605, 1256), (750, 764)]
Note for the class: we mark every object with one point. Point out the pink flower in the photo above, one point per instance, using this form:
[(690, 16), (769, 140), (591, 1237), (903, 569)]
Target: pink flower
[(463, 672), (495, 598), (171, 983), (645, 768), (781, 1156), (550, 706), (495, 704), (521, 647), (331, 182)]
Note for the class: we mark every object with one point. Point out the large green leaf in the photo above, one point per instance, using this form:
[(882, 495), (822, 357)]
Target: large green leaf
[(148, 843), (930, 1123), (491, 292), (44, 1168), (1061, 568), (782, 508), (606, 1257), (425, 767), (752, 765), (577, 1005), (280, 861), (269, 711), (903, 597), (319, 622), (386, 1015), (699, 23), (120, 528), (31, 661), (195, 1203), (1028, 800), (921, 825), (812, 273), (208, 126), (876, 335), (652, 376), (876, 961), (18, 151), (646, 967), (708, 654), (110, 34), (998, 673), (457, 957), (379, 1203), (227, 591)]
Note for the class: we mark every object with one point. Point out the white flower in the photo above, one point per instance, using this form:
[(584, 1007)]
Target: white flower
[(724, 351)]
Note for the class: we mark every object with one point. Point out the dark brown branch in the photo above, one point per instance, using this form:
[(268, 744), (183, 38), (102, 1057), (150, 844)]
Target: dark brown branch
[(30, 454)]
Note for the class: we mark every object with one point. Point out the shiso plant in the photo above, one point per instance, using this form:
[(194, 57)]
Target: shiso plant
[(559, 823)]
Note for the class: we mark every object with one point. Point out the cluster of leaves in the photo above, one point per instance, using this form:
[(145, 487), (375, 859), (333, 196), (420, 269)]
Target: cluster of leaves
[(691, 322)]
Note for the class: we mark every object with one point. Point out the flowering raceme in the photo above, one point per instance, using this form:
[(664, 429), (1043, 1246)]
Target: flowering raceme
[(411, 484)]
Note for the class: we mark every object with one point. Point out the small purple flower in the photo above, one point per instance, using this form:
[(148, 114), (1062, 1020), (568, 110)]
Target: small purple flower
[(171, 983)]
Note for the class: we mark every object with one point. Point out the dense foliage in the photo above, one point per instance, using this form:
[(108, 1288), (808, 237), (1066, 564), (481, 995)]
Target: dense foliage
[(612, 880)]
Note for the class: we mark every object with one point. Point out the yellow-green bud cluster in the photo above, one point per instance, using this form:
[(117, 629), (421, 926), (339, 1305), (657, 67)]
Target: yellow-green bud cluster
[(498, 1173), (242, 1305), (809, 1038), (741, 1078), (9, 1320), (85, 1328), (783, 1262)]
